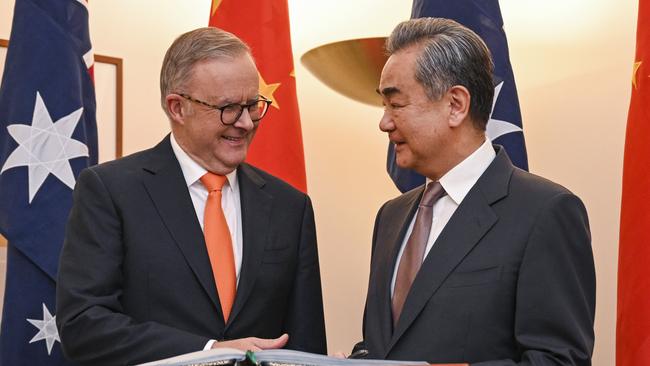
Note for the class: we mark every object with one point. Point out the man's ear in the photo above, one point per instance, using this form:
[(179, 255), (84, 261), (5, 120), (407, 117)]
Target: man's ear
[(175, 109), (459, 99)]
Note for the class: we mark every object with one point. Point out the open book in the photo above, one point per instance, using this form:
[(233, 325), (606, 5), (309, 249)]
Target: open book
[(271, 357)]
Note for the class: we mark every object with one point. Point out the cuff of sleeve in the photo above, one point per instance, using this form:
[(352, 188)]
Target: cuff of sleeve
[(209, 345)]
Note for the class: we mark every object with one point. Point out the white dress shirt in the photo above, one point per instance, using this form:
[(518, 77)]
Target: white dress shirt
[(457, 182)]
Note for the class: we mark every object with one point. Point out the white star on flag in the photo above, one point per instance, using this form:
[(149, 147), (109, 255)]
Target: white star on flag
[(495, 127), (46, 147), (46, 329)]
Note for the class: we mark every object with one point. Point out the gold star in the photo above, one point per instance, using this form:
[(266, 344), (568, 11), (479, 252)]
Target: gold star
[(267, 90), (634, 71), (215, 5)]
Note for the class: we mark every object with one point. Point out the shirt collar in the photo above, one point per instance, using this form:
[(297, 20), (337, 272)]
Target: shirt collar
[(461, 178), (192, 171)]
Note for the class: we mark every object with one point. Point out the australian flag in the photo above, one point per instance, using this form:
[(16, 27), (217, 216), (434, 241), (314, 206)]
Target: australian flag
[(504, 127), (48, 134)]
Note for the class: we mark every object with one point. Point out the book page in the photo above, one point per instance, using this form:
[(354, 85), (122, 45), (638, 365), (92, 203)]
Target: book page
[(289, 357), (216, 356)]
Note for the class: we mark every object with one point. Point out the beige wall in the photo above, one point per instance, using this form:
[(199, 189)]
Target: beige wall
[(572, 61)]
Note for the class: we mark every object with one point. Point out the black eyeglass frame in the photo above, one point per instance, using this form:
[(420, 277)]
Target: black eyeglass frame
[(262, 98)]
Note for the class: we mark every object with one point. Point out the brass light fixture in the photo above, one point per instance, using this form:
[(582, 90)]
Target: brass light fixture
[(351, 67)]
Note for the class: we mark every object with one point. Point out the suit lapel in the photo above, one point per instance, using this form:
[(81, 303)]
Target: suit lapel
[(387, 247), (256, 211), (167, 188), (471, 221)]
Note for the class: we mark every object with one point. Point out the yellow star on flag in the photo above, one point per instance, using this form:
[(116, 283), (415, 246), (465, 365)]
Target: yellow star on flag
[(634, 72), (215, 5), (267, 90)]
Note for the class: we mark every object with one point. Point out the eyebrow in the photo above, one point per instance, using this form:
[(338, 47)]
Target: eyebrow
[(388, 91)]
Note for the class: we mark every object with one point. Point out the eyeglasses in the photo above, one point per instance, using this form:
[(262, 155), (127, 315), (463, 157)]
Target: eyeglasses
[(230, 113)]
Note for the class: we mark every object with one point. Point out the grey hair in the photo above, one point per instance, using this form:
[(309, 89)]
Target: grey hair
[(201, 44), (451, 55)]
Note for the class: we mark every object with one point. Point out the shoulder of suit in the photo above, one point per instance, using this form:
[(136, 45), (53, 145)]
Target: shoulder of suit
[(124, 167), (534, 184), (268, 180)]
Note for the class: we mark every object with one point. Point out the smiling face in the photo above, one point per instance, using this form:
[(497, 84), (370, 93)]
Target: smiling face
[(198, 128), (420, 128)]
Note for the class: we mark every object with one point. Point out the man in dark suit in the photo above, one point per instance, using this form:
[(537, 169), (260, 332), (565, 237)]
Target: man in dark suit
[(485, 264), (136, 280)]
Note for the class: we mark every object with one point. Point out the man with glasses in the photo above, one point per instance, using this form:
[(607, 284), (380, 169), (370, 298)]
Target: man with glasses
[(185, 247)]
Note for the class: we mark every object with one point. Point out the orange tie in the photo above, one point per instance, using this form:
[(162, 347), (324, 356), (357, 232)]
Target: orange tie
[(219, 243)]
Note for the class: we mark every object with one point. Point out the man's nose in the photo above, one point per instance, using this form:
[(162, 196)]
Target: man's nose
[(386, 123), (244, 121)]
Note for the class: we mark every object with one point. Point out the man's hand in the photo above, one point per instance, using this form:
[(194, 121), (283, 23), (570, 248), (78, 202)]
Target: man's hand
[(253, 344)]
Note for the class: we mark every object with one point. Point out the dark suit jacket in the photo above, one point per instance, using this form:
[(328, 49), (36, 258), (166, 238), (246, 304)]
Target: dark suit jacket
[(510, 280), (135, 282)]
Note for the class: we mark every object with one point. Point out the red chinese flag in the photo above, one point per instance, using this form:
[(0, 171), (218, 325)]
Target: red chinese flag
[(264, 26), (633, 311)]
